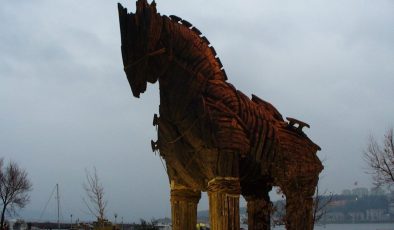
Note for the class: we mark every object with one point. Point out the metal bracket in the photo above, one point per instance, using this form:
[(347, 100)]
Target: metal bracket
[(154, 145), (156, 120), (301, 124)]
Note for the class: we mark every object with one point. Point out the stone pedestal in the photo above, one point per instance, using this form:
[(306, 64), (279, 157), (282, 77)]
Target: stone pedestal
[(224, 195), (184, 203)]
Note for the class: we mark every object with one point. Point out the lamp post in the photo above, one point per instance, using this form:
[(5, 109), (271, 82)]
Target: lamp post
[(71, 222)]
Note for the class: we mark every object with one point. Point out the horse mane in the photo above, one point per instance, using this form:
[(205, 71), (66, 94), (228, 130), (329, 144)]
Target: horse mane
[(195, 47)]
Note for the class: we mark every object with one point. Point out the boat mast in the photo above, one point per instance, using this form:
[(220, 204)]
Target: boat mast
[(58, 206)]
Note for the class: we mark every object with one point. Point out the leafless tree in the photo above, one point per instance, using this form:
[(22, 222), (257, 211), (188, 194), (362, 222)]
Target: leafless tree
[(321, 201), (380, 159), (95, 203), (14, 188)]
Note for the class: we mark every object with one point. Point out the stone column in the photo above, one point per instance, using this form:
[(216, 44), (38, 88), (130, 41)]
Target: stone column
[(184, 203), (224, 195), (259, 212)]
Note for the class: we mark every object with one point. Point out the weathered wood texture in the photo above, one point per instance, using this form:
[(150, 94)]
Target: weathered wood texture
[(223, 193), (184, 207), (259, 208), (300, 209), (207, 128)]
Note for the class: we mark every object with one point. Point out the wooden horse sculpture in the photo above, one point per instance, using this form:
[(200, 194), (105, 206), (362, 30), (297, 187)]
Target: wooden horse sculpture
[(214, 138)]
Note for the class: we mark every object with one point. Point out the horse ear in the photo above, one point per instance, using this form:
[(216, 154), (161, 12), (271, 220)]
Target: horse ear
[(153, 6), (141, 4)]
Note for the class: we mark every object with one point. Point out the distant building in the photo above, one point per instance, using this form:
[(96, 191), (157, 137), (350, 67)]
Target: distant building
[(338, 202), (334, 217), (391, 208), (346, 192), (360, 192), (375, 215), (377, 192), (17, 224), (162, 226), (391, 204), (357, 216)]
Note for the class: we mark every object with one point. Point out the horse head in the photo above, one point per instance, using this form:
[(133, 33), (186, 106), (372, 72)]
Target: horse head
[(141, 50)]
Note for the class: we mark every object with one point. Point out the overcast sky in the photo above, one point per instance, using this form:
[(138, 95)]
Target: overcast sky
[(66, 106)]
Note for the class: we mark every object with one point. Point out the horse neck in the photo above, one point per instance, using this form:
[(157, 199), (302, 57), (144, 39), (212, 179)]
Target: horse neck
[(190, 50), (193, 63)]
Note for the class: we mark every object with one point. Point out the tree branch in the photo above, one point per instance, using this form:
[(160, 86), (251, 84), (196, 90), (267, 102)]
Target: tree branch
[(380, 159)]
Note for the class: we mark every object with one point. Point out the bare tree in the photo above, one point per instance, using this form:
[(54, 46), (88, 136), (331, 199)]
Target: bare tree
[(320, 204), (96, 203), (14, 188), (380, 159)]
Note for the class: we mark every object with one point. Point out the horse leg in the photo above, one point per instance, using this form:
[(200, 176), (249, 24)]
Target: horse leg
[(259, 208), (300, 205), (224, 203), (184, 203), (224, 192), (299, 212)]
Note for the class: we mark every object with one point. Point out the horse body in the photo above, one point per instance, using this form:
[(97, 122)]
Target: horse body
[(213, 137)]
